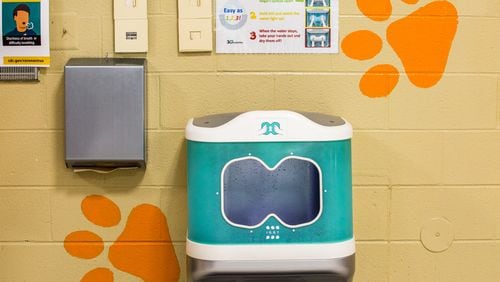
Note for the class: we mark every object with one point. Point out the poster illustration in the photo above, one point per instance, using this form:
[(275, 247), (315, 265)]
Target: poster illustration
[(25, 33), (277, 26)]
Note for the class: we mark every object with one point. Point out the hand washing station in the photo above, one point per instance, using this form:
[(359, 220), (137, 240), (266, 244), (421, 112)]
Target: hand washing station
[(269, 197)]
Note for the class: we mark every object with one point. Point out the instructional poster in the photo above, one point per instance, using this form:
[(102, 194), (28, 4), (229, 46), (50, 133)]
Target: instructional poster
[(277, 26), (25, 33)]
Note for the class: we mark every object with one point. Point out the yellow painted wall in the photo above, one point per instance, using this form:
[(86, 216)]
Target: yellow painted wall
[(418, 154)]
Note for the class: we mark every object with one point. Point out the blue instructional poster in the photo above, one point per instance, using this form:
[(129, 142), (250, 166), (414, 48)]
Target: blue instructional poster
[(277, 26), (24, 28)]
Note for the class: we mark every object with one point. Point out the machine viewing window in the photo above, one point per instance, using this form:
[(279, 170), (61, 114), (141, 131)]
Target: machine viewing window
[(252, 192)]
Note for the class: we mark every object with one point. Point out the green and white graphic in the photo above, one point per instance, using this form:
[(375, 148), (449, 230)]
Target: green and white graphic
[(269, 128)]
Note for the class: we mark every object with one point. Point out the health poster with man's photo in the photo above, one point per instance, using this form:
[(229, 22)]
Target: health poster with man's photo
[(277, 26), (25, 33)]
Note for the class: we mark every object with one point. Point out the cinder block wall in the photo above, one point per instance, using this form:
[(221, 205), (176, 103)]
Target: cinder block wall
[(418, 154)]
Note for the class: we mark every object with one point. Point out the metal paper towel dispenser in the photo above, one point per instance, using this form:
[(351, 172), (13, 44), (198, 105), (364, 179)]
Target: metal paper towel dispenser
[(105, 113)]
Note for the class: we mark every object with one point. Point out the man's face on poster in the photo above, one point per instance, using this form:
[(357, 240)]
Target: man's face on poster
[(22, 18)]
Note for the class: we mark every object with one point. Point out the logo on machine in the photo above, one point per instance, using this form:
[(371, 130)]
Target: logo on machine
[(270, 128)]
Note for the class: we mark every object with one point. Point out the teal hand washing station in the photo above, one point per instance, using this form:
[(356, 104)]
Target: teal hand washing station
[(270, 197)]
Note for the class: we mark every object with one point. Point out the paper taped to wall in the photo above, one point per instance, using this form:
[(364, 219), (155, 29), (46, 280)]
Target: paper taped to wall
[(277, 26), (25, 33)]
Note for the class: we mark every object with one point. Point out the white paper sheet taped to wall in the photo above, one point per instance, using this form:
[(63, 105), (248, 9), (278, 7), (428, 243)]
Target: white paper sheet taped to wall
[(277, 26), (24, 27)]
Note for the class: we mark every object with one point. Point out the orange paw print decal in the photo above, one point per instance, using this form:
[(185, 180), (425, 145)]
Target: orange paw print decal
[(422, 40), (144, 248)]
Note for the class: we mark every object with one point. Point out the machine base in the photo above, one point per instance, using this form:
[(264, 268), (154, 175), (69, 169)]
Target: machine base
[(323, 270)]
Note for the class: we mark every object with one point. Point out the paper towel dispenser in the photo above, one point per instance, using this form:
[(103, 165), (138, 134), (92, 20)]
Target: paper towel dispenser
[(105, 113)]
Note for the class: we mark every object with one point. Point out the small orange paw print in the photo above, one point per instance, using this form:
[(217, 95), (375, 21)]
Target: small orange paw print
[(143, 249), (422, 40)]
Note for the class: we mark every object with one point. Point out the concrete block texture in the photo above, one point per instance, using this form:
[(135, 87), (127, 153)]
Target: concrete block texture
[(411, 262), (426, 160), (471, 157), (371, 213), (471, 211), (402, 157)]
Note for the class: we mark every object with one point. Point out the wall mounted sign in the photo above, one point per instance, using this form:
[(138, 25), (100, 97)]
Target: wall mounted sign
[(25, 33), (277, 26)]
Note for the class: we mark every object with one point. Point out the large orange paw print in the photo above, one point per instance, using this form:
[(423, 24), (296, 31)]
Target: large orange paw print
[(143, 249), (422, 41)]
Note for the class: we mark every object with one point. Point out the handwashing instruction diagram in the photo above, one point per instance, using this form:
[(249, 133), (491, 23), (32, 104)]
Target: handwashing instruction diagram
[(277, 26)]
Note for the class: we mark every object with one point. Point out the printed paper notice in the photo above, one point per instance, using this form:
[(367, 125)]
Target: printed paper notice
[(24, 28), (277, 26)]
